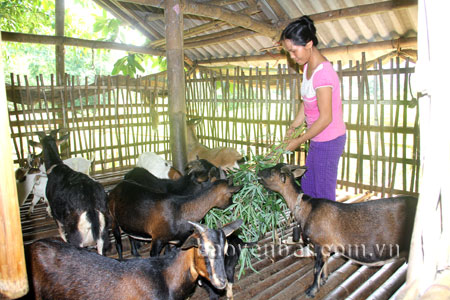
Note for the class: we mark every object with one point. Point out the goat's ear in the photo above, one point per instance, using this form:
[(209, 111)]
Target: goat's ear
[(62, 139), (34, 144), (231, 227), (235, 189), (191, 241), (299, 172), (54, 132)]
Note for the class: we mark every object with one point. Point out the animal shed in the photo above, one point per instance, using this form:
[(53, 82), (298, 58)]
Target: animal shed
[(114, 119)]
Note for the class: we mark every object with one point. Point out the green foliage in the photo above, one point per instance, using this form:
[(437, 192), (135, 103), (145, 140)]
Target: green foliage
[(27, 16), (128, 65), (262, 211), (159, 63), (109, 28)]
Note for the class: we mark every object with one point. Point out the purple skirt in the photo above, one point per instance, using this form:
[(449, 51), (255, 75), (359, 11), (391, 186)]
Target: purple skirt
[(322, 162)]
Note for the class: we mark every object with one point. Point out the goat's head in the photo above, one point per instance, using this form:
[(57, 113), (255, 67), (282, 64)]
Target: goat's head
[(202, 170), (223, 193), (210, 248), (276, 177), (50, 140)]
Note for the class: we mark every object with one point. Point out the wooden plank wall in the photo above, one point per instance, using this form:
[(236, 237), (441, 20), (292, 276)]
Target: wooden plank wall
[(115, 119)]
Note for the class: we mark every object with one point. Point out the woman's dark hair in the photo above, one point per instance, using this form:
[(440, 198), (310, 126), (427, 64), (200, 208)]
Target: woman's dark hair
[(300, 32)]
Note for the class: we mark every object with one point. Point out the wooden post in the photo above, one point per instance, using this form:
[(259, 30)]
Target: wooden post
[(13, 274), (59, 49), (176, 85)]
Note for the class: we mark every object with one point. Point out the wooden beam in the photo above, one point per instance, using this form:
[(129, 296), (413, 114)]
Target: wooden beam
[(140, 21), (384, 45), (220, 37), (219, 13), (277, 9), (231, 17), (204, 27), (176, 82), (59, 40), (13, 275), (59, 49), (111, 7), (356, 11)]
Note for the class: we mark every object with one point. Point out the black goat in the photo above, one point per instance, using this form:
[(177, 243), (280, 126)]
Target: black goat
[(370, 233), (62, 271), (145, 214), (77, 202)]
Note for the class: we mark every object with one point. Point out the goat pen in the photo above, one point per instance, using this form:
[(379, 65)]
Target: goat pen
[(115, 119)]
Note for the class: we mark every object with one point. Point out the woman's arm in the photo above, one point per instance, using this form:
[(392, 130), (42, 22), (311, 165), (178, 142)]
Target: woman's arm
[(325, 117)]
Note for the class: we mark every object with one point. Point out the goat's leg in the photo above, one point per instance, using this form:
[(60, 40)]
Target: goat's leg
[(314, 288), (134, 246), (324, 276), (103, 243), (116, 232), (156, 247)]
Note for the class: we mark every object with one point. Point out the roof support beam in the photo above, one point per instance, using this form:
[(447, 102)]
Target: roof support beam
[(67, 41), (219, 13), (384, 45)]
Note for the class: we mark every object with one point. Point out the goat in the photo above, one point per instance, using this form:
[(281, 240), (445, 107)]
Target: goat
[(158, 166), (235, 245), (79, 164), (62, 271), (199, 174), (224, 157), (77, 202), (145, 214), (26, 177), (362, 232)]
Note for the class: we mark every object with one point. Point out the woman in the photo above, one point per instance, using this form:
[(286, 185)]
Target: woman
[(321, 108)]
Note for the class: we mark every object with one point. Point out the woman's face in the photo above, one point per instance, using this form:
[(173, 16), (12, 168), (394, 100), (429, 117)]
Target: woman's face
[(300, 54)]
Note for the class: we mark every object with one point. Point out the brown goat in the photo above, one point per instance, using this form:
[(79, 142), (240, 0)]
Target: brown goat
[(143, 213), (224, 157), (63, 271), (370, 233)]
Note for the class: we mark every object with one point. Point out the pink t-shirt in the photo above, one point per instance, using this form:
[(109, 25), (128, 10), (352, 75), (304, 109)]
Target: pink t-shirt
[(323, 76)]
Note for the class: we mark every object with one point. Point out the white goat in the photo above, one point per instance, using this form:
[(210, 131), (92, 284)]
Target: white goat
[(156, 165)]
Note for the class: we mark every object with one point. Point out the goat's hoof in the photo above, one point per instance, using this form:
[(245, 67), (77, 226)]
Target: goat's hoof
[(323, 281), (311, 292)]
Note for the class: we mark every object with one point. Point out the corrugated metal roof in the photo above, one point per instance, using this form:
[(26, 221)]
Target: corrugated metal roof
[(355, 30)]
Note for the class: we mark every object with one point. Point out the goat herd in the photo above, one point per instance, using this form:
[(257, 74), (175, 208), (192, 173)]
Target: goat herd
[(165, 207)]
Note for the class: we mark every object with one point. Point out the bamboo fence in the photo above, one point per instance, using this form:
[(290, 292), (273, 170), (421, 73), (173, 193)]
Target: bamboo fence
[(114, 119)]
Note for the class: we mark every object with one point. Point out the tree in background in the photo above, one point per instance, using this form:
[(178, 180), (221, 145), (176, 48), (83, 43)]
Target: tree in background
[(38, 17)]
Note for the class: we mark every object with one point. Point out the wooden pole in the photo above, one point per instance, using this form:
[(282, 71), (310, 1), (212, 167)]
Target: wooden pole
[(176, 82), (59, 48), (13, 274)]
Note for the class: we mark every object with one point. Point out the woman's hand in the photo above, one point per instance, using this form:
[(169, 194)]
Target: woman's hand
[(294, 144), (289, 132)]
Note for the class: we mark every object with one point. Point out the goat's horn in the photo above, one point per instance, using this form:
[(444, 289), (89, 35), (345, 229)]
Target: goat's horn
[(199, 226)]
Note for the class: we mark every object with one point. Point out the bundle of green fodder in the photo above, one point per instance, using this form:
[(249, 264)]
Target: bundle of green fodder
[(262, 211)]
